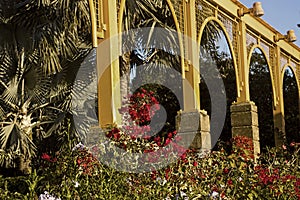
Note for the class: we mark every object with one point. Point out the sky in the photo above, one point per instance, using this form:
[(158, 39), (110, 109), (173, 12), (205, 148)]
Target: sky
[(283, 15)]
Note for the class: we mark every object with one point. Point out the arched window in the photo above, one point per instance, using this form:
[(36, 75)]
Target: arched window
[(291, 106), (261, 93), (215, 50)]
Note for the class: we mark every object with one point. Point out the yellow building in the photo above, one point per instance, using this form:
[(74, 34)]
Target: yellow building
[(244, 32)]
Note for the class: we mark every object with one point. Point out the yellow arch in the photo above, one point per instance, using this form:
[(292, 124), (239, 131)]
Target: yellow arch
[(94, 23), (229, 44), (270, 71), (169, 3)]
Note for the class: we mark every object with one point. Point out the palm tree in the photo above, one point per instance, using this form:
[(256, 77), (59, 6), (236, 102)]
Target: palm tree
[(42, 44)]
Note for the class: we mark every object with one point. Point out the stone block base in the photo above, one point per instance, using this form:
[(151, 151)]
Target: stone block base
[(244, 122), (194, 128)]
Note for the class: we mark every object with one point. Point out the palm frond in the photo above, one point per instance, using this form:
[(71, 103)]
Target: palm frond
[(50, 58), (10, 94), (55, 124), (66, 43), (37, 84), (6, 134), (7, 65), (2, 112)]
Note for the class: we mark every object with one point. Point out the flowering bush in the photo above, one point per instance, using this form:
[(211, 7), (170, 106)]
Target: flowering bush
[(75, 172), (142, 106)]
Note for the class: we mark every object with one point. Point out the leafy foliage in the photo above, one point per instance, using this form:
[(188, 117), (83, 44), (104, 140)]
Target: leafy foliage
[(80, 172), (76, 174), (41, 42)]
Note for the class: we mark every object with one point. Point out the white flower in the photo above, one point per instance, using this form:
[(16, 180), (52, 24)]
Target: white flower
[(214, 194), (240, 179), (183, 195), (76, 184), (129, 181), (161, 181), (47, 196), (78, 146)]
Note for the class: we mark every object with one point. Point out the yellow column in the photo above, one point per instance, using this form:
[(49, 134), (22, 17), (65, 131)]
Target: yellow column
[(243, 64), (192, 76), (279, 123), (108, 85)]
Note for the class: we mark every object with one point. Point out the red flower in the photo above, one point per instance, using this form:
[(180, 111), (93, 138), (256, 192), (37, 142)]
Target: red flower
[(133, 137), (109, 134), (292, 144), (147, 137), (223, 195), (148, 150), (167, 141), (226, 171), (157, 139), (117, 136), (153, 175), (46, 157), (297, 184), (195, 164), (229, 182), (115, 130), (167, 173), (183, 156)]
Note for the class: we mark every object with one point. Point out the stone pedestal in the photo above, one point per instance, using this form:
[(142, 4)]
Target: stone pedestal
[(244, 122), (194, 128)]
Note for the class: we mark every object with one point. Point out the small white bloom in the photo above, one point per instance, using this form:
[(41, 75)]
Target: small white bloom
[(240, 179), (183, 195), (214, 194), (78, 146), (76, 184), (47, 196), (161, 181), (129, 181)]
